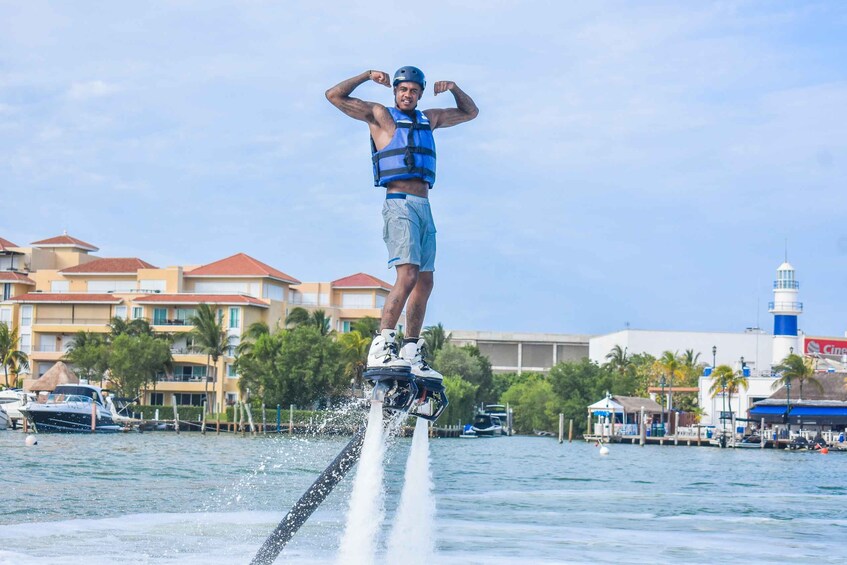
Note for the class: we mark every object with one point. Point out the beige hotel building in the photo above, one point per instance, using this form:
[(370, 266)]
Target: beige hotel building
[(57, 287)]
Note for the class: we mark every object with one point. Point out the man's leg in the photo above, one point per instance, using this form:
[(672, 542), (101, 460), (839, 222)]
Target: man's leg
[(416, 306), (408, 279)]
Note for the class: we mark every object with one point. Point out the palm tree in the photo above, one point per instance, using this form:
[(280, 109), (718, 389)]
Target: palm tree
[(11, 357), (367, 326), (320, 320), (796, 368), (618, 360), (297, 317), (355, 351), (668, 364), (435, 337), (250, 336), (138, 326), (209, 337)]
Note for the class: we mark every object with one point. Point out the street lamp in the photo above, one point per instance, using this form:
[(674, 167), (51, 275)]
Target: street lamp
[(714, 356)]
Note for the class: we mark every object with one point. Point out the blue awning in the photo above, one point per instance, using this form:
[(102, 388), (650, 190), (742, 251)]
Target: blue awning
[(820, 411), (768, 410)]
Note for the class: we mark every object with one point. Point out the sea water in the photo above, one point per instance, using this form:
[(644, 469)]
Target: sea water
[(162, 498)]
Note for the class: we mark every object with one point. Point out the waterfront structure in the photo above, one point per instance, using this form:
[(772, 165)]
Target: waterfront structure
[(515, 352), (57, 288), (785, 309)]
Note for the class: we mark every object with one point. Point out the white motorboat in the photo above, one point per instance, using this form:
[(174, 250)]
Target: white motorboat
[(486, 425), (71, 408), (4, 419), (12, 400)]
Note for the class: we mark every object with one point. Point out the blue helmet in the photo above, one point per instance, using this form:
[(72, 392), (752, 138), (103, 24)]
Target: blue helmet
[(410, 74)]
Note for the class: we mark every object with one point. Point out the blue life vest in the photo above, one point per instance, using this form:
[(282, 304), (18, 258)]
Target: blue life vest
[(409, 155)]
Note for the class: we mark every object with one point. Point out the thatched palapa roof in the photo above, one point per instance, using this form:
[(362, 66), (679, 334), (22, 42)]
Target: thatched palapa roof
[(59, 374)]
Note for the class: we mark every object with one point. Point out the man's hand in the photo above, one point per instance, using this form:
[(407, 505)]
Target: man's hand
[(443, 86), (380, 77)]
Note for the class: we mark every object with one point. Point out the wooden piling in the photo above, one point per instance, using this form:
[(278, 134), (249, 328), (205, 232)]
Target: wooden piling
[(570, 430), (676, 428), (561, 427), (176, 418), (290, 419), (264, 423), (699, 429), (762, 434), (203, 424), (588, 429), (93, 416), (218, 424)]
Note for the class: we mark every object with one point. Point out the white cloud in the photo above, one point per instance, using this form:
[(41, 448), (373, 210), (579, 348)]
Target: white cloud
[(91, 89)]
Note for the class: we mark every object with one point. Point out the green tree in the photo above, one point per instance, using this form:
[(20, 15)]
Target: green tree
[(89, 355), (617, 360), (138, 326), (669, 366), (354, 351), (534, 404), (579, 384), (466, 362), (309, 368), (461, 394), (298, 316), (257, 367), (436, 337), (799, 369), (135, 359), (367, 326), (209, 337), (11, 357), (253, 332)]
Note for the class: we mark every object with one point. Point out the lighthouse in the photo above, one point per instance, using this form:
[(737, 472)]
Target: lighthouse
[(785, 309)]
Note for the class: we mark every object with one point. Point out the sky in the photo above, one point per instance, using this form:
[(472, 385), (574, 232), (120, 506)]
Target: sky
[(634, 164)]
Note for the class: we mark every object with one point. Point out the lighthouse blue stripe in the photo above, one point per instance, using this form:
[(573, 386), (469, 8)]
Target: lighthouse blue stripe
[(784, 324)]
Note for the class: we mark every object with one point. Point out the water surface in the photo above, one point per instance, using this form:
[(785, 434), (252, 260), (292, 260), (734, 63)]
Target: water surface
[(162, 498)]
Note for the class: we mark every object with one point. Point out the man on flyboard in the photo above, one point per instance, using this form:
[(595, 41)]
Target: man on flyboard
[(403, 152)]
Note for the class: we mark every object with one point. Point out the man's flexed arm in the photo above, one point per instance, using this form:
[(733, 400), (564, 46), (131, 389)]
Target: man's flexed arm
[(339, 96), (464, 111)]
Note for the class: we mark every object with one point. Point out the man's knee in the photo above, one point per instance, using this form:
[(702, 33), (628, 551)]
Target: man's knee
[(407, 277), (425, 282)]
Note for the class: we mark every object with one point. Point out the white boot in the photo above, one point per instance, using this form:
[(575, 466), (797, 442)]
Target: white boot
[(415, 353), (383, 352)]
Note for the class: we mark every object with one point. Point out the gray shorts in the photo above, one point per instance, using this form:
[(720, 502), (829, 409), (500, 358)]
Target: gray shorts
[(409, 231)]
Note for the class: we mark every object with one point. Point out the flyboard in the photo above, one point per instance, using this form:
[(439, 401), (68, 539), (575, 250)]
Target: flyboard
[(398, 391)]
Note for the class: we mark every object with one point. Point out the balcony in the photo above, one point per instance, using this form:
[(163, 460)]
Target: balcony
[(42, 321), (785, 306), (184, 379), (790, 285)]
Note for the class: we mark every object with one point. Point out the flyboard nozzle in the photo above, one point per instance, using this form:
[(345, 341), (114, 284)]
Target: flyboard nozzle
[(400, 391)]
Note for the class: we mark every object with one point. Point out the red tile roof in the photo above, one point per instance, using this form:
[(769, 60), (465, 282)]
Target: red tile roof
[(8, 276), (4, 243), (68, 297), (65, 241), (116, 265), (240, 265), (361, 280), (200, 299)]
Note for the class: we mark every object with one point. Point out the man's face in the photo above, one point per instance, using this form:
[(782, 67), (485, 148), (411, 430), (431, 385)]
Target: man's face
[(406, 96)]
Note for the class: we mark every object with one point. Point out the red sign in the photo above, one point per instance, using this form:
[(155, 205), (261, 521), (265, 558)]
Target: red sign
[(825, 346)]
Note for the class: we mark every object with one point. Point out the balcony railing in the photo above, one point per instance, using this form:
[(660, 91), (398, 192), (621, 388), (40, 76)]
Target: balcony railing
[(184, 379), (50, 349), (791, 285), (163, 322), (798, 306), (72, 321)]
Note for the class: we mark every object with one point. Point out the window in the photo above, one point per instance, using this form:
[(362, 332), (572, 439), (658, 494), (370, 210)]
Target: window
[(120, 312), (160, 316), (380, 301), (273, 292), (111, 286), (346, 326), (157, 399), (26, 343), (185, 314), (6, 316), (60, 286), (231, 398), (189, 399), (7, 291), (356, 300), (137, 312), (230, 371), (26, 316), (233, 317)]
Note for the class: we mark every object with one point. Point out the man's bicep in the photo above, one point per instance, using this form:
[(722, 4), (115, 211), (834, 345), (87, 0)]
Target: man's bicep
[(356, 108), (445, 117)]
